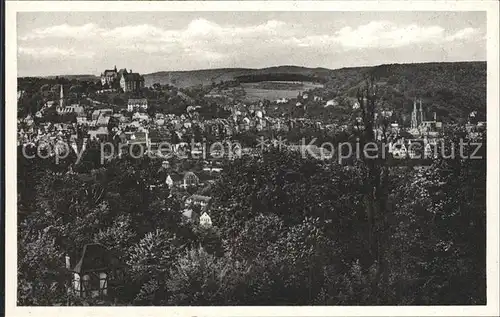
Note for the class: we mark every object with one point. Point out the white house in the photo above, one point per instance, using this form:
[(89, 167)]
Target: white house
[(205, 220), (199, 200), (169, 181), (134, 104), (329, 103)]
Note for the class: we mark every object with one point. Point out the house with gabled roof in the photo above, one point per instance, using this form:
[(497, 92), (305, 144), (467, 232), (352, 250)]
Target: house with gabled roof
[(101, 133), (200, 200), (194, 205), (136, 104), (173, 179), (190, 179), (97, 271), (137, 137), (205, 220)]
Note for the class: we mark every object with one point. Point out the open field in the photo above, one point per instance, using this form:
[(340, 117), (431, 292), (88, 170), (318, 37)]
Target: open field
[(274, 90)]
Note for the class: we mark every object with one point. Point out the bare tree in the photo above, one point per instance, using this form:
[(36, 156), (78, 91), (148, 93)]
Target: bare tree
[(376, 185)]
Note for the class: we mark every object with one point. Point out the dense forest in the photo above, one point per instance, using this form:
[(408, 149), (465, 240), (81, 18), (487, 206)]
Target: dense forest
[(279, 77), (452, 90)]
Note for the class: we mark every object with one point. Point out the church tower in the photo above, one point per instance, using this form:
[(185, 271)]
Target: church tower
[(414, 123), (421, 112), (61, 97)]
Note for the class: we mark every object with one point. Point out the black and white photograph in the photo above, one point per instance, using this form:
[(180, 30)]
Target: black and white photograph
[(275, 157)]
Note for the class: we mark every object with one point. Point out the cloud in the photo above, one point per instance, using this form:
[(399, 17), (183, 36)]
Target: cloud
[(201, 38), (206, 55), (208, 40), (134, 32), (376, 34), (63, 31), (196, 30), (463, 34), (384, 34), (52, 52)]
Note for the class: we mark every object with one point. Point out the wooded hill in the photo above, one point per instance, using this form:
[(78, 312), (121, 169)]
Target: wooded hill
[(452, 90)]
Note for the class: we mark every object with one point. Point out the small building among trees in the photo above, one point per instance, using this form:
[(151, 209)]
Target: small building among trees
[(96, 272)]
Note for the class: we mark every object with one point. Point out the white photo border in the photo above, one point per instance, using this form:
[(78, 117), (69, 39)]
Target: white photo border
[(490, 7)]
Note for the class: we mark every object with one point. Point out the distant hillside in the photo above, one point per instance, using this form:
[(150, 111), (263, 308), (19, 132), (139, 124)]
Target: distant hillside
[(452, 90), (83, 77), (183, 79)]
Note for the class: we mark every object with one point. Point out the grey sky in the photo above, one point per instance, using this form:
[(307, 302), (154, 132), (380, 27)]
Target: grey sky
[(51, 43)]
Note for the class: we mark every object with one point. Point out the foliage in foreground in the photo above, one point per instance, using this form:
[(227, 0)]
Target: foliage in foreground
[(287, 231)]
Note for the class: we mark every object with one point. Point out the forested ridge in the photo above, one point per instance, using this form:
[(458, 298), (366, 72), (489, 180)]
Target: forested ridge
[(452, 90)]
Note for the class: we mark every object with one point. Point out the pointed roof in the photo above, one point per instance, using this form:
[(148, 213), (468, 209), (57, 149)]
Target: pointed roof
[(188, 213), (190, 176), (175, 177), (133, 77), (110, 72), (95, 257), (169, 179), (122, 71)]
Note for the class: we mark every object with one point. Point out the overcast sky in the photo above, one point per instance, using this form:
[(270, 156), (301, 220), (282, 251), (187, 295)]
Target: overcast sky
[(54, 43)]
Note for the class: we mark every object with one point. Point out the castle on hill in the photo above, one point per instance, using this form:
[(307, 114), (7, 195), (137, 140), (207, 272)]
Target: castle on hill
[(128, 81)]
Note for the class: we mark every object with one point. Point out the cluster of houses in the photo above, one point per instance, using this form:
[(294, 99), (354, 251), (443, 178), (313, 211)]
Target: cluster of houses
[(48, 138), (138, 127), (134, 125)]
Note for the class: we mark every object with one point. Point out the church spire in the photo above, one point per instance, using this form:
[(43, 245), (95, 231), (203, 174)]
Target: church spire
[(61, 97), (414, 123), (421, 112)]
